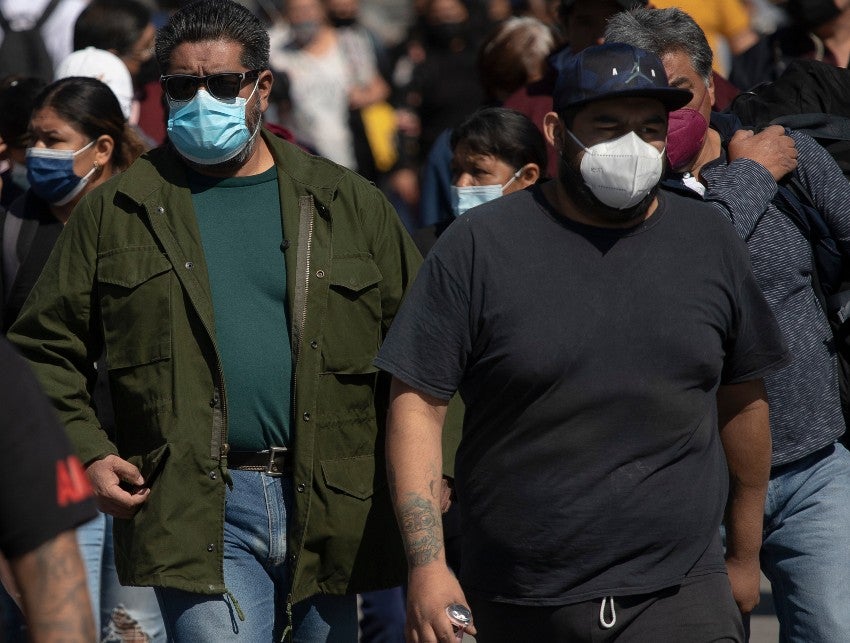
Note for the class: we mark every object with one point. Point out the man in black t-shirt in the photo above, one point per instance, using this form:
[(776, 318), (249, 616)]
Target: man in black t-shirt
[(44, 496), (609, 342)]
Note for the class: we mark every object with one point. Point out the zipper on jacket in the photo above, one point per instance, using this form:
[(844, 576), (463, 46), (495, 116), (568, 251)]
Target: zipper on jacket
[(299, 339)]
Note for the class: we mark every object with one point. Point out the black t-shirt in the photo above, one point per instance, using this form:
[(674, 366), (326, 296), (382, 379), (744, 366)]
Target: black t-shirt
[(588, 359), (43, 488)]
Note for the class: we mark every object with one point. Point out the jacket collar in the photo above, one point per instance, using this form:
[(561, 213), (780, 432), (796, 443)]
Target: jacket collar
[(162, 168)]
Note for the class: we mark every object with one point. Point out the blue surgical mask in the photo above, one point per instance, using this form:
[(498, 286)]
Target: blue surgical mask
[(51, 174), (467, 197), (209, 131)]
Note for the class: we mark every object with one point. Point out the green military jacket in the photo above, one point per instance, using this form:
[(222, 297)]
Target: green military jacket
[(129, 273)]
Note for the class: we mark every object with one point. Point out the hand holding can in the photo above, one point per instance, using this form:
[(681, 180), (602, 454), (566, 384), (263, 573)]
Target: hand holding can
[(461, 617)]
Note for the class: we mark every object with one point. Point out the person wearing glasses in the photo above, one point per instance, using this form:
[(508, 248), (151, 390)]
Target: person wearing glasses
[(241, 288)]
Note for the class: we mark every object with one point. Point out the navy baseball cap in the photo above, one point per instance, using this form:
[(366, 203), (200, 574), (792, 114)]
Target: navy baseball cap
[(614, 70)]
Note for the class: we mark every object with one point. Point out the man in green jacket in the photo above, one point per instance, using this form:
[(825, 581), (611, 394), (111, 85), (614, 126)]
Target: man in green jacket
[(241, 289)]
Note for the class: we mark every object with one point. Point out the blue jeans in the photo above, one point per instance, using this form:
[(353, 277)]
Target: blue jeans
[(118, 610), (257, 576), (806, 550)]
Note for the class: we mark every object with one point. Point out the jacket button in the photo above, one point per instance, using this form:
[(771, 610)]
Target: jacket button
[(284, 244), (211, 547), (306, 416), (314, 344), (301, 487), (320, 273), (189, 265), (213, 475), (160, 210)]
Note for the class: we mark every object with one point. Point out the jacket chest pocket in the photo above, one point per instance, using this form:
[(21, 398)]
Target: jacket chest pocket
[(352, 328), (134, 288)]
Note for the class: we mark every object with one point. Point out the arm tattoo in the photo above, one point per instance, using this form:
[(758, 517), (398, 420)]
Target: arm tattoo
[(53, 582), (421, 529)]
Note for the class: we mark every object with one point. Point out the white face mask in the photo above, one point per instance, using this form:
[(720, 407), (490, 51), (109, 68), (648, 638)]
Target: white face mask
[(467, 197), (622, 171)]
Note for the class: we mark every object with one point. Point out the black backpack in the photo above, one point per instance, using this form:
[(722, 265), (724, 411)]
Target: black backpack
[(814, 98), (830, 279), (23, 53), (811, 97)]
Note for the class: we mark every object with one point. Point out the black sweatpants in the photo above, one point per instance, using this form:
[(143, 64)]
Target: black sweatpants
[(700, 610)]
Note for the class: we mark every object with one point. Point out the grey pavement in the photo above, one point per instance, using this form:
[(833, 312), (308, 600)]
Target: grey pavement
[(763, 625)]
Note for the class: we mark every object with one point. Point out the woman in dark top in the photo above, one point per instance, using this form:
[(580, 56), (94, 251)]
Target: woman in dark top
[(80, 138)]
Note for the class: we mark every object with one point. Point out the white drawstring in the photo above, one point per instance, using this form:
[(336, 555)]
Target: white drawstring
[(607, 624)]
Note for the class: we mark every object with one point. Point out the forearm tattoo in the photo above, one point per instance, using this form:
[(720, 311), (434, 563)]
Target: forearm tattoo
[(421, 529), (55, 593)]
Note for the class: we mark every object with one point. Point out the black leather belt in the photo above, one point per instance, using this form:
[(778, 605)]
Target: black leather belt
[(275, 461)]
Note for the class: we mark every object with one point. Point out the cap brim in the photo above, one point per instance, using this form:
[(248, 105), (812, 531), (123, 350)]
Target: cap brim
[(671, 97)]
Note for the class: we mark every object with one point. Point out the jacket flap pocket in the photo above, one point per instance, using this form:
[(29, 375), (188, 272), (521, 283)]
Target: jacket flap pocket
[(131, 266), (355, 273), (353, 476), (151, 463)]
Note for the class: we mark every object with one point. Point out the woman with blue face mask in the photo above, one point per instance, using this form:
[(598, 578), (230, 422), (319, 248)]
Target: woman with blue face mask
[(79, 138), (496, 151)]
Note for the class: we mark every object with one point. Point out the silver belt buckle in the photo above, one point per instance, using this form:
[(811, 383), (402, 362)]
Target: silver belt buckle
[(271, 467)]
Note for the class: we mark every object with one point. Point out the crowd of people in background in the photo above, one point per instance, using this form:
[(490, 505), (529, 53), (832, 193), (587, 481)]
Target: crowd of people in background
[(441, 105), (375, 84)]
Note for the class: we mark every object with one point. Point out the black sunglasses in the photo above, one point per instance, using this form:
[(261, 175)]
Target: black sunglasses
[(224, 86)]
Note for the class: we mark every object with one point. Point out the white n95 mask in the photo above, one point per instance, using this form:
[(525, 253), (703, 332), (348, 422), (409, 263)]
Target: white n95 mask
[(622, 171)]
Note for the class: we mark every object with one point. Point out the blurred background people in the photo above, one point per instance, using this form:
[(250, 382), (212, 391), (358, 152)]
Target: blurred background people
[(17, 95), (331, 73), (53, 20), (125, 28), (817, 30), (107, 68)]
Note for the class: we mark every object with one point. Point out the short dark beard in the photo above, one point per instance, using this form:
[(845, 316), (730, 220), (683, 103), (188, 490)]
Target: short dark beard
[(587, 203), (230, 166)]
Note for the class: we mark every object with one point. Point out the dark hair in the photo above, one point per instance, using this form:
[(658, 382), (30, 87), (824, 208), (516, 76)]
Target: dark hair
[(17, 96), (91, 108), (663, 31), (503, 133), (114, 25), (215, 20)]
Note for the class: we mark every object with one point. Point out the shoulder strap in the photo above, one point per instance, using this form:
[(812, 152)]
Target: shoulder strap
[(18, 232), (48, 11), (828, 269)]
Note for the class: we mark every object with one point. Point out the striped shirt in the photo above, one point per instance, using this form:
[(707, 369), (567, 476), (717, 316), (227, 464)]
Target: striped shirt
[(805, 405)]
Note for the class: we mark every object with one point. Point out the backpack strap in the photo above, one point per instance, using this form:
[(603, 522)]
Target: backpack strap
[(48, 11), (18, 232)]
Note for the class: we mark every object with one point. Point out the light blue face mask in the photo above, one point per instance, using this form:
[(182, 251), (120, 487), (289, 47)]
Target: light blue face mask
[(209, 131), (467, 197)]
